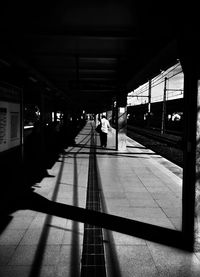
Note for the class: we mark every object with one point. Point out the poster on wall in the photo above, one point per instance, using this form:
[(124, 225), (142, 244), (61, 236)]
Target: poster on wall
[(10, 119), (3, 124), (9, 125)]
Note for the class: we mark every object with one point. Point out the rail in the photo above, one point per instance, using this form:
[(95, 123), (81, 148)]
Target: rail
[(169, 139)]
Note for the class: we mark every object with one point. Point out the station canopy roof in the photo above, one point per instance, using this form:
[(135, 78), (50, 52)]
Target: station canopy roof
[(87, 51)]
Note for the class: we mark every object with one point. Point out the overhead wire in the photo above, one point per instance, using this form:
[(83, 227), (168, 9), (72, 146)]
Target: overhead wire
[(159, 80), (144, 89)]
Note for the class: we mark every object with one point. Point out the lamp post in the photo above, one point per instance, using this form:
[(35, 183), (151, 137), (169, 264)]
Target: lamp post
[(164, 108)]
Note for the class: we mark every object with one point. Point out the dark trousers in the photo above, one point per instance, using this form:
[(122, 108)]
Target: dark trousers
[(103, 139)]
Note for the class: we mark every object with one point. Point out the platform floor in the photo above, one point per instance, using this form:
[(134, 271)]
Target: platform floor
[(133, 183)]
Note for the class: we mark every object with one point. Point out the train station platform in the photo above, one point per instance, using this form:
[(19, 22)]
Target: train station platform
[(75, 222)]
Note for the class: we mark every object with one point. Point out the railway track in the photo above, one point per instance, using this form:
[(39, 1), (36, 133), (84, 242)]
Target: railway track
[(166, 145), (167, 138)]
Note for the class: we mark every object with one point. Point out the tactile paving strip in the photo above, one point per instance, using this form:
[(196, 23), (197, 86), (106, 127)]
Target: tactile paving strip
[(93, 261)]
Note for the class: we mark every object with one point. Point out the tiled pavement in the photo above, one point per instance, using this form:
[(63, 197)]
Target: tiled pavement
[(135, 184)]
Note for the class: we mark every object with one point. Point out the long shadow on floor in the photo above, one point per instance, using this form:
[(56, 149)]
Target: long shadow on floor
[(158, 234), (17, 194), (21, 196), (24, 197), (19, 176)]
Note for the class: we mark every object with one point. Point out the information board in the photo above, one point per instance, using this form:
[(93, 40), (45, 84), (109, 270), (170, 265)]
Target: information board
[(10, 118), (9, 125)]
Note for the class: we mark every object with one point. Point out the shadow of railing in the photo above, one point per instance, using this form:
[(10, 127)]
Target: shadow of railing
[(31, 200), (26, 198), (142, 230)]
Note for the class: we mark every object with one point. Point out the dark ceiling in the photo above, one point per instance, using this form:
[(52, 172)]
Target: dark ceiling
[(87, 50)]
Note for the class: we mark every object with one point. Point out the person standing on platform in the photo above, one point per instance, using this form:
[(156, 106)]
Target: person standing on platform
[(105, 125)]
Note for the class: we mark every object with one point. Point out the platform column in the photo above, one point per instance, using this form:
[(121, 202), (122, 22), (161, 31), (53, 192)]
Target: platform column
[(121, 128), (22, 124), (191, 171), (197, 188), (42, 127)]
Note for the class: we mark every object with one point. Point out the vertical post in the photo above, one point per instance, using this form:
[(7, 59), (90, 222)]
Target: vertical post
[(55, 116), (116, 124), (122, 121), (113, 111), (197, 185), (42, 120), (117, 104), (149, 104), (77, 69), (22, 124), (164, 108), (189, 151)]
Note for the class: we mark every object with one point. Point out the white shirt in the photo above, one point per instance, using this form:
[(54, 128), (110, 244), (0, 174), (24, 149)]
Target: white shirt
[(105, 125)]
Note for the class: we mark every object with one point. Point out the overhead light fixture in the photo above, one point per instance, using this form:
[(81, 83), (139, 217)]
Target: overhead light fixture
[(5, 62), (32, 79)]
